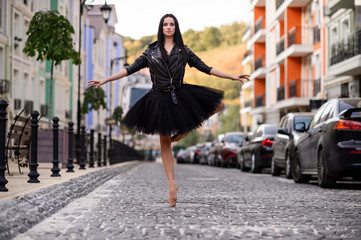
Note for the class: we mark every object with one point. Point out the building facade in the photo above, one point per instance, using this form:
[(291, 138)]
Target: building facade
[(300, 52)]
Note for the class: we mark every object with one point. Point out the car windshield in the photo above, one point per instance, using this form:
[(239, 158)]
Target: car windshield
[(270, 130), (235, 138), (302, 119), (350, 103)]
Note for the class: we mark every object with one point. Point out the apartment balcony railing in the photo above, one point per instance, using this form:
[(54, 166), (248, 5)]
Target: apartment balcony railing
[(316, 35), (280, 47), (279, 3), (294, 88), (248, 28), (317, 87), (281, 93), (248, 53), (300, 35), (260, 100), (346, 48), (259, 24), (248, 103), (258, 63)]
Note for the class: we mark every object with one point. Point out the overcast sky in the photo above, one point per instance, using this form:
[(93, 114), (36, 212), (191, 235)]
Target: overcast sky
[(137, 18)]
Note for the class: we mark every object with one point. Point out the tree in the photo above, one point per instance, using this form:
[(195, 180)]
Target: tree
[(49, 35), (191, 139), (211, 37), (93, 100), (117, 115), (230, 119)]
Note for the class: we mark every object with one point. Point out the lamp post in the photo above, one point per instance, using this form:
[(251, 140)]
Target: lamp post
[(105, 10), (115, 60)]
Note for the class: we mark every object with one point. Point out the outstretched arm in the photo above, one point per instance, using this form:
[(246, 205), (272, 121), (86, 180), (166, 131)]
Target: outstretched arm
[(122, 73), (241, 77)]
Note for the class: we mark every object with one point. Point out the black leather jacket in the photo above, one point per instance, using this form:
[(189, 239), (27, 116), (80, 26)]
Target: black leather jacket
[(165, 75)]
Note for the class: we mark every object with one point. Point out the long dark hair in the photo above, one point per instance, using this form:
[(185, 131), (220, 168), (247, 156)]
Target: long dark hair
[(178, 40)]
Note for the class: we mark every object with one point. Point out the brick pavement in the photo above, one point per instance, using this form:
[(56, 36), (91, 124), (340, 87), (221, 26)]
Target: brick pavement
[(213, 203)]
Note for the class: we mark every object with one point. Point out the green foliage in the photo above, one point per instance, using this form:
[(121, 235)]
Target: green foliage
[(93, 100), (198, 41), (230, 119), (232, 93), (118, 114), (49, 35), (191, 139), (211, 37)]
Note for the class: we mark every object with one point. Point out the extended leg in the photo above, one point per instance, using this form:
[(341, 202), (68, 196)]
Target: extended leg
[(181, 136)]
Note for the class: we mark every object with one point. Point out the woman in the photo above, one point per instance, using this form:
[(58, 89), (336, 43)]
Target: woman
[(171, 107)]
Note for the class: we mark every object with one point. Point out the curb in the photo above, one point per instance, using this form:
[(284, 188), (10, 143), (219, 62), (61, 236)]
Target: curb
[(19, 215)]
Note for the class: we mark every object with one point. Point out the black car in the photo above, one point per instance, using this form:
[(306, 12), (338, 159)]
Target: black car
[(256, 152), (285, 140), (331, 146)]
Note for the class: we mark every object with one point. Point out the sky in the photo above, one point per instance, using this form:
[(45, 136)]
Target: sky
[(138, 18)]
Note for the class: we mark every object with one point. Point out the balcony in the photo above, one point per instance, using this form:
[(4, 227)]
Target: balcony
[(281, 93), (248, 103), (280, 47), (299, 43), (279, 3), (260, 100), (259, 68), (337, 4), (257, 3), (317, 87), (247, 33), (259, 33), (346, 56), (294, 88), (316, 35), (247, 57), (259, 24)]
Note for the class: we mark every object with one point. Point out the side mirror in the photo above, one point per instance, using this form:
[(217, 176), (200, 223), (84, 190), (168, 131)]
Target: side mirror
[(300, 127), (283, 131)]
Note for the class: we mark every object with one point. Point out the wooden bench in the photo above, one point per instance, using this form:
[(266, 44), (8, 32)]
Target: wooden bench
[(18, 142)]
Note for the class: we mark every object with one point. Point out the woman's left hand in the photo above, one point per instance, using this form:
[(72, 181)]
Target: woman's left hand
[(241, 77)]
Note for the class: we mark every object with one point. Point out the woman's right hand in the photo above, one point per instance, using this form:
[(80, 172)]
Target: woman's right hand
[(98, 83)]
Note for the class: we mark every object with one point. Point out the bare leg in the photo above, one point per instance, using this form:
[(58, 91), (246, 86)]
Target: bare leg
[(181, 136), (168, 164)]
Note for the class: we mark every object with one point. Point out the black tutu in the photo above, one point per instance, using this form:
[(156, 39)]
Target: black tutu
[(155, 113)]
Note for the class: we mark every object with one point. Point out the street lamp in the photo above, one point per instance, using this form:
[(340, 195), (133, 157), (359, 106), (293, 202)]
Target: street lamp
[(105, 9), (115, 60)]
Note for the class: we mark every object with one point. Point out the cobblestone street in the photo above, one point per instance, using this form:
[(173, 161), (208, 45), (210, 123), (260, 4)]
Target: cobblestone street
[(213, 203)]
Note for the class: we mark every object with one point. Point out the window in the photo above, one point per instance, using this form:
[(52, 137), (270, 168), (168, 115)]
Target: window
[(344, 90), (302, 119), (327, 113)]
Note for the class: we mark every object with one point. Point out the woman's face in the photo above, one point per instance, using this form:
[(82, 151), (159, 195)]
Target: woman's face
[(168, 27)]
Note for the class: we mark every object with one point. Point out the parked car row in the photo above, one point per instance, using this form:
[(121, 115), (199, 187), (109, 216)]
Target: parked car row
[(326, 145)]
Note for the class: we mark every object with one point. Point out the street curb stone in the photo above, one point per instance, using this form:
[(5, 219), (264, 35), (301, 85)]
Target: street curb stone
[(19, 215)]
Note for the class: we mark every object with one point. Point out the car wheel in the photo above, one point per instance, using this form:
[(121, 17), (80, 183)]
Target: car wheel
[(254, 167), (275, 171), (288, 166), (241, 164), (324, 180), (297, 176)]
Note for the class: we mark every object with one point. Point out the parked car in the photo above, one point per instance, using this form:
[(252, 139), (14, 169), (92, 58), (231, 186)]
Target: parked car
[(181, 156), (256, 152), (189, 155), (216, 150), (331, 146), (230, 145), (203, 152), (285, 140)]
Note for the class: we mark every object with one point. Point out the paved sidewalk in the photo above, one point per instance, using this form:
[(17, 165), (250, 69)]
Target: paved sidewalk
[(18, 185), (30, 204), (213, 203)]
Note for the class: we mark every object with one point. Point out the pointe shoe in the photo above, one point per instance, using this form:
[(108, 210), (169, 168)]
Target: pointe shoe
[(173, 196)]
